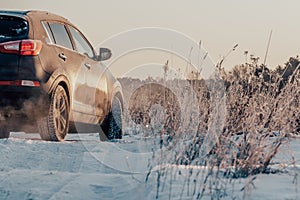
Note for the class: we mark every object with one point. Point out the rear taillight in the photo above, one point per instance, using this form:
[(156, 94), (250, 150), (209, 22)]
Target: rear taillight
[(30, 47), (22, 47)]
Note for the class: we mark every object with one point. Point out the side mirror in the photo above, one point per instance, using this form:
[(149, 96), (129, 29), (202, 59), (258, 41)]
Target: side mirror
[(104, 54)]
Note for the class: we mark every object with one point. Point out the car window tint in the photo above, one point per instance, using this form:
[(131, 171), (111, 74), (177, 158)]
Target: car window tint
[(81, 44), (60, 35), (12, 27)]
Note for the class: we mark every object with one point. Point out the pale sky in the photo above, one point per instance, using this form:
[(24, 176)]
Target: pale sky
[(219, 24)]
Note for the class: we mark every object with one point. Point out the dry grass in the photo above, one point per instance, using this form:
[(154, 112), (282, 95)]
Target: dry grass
[(261, 113)]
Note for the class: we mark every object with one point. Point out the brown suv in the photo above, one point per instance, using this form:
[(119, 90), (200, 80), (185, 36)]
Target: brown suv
[(51, 76)]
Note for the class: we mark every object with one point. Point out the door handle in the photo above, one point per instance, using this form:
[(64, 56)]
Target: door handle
[(88, 65), (62, 56)]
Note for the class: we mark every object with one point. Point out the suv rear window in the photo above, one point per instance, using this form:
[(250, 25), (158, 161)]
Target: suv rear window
[(12, 28)]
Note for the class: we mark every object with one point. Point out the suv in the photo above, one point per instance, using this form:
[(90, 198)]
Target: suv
[(51, 78)]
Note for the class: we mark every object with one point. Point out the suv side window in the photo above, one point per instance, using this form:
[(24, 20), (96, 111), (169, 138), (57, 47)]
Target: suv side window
[(81, 44), (60, 35), (50, 38)]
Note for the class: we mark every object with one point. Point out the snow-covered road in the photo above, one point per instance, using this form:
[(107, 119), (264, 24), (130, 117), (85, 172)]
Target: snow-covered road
[(84, 168)]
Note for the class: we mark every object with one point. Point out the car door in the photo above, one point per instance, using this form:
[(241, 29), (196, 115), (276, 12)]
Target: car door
[(96, 90), (72, 63)]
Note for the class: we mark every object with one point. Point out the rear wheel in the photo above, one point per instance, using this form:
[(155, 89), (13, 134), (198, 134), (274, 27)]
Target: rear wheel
[(112, 124), (54, 127)]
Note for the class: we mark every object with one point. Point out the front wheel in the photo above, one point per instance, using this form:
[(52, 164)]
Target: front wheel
[(54, 127), (112, 124)]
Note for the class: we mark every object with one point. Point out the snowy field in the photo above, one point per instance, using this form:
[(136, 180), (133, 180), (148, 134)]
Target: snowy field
[(84, 168)]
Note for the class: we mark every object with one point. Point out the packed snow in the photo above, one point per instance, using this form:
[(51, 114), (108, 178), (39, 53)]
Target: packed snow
[(82, 167)]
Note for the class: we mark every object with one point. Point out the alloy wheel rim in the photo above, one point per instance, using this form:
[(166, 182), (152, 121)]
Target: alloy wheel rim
[(60, 113)]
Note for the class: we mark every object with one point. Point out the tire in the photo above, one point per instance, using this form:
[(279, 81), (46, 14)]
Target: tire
[(4, 132), (6, 125), (55, 126), (112, 124)]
